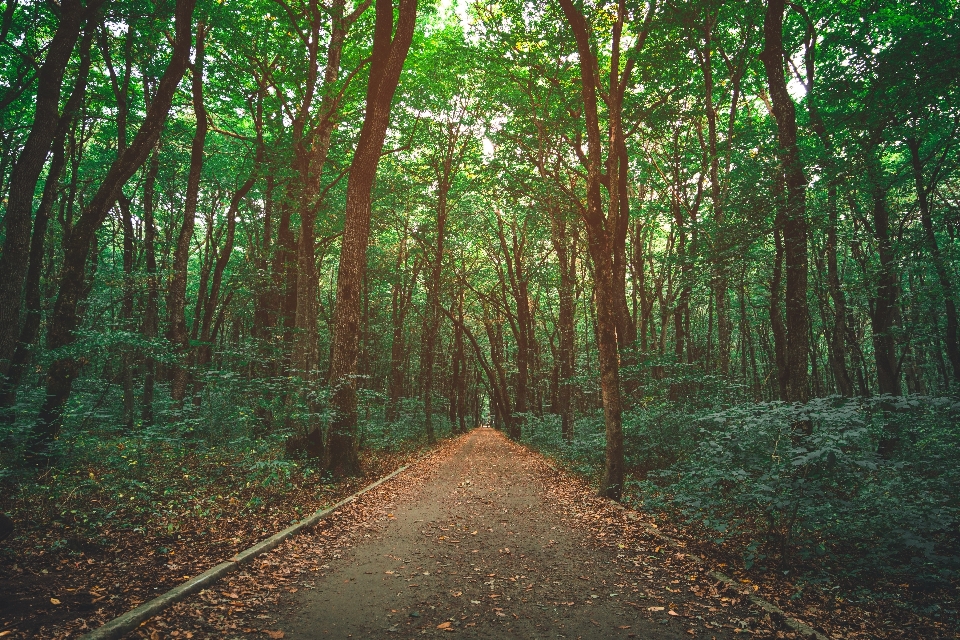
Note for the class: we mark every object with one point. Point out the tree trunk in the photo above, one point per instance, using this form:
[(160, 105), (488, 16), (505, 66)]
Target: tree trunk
[(599, 242), (15, 258), (883, 316), (794, 222), (32, 297), (66, 316), (177, 292), (946, 286), (387, 58), (565, 246), (151, 316)]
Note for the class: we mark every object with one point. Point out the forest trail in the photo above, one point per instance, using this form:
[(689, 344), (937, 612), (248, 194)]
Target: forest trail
[(487, 548)]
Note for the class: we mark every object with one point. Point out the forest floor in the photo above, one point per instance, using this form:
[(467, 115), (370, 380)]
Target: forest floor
[(485, 539)]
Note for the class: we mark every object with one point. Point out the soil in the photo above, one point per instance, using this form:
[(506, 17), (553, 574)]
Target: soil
[(485, 550), (483, 539)]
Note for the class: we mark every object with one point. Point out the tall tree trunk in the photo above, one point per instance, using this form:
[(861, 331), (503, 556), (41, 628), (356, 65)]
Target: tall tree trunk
[(151, 315), (15, 258), (32, 296), (177, 292), (389, 53), (121, 92), (884, 311), (400, 303), (719, 278), (565, 241), (794, 222), (600, 245), (311, 157), (776, 318), (840, 333), (66, 315), (946, 286)]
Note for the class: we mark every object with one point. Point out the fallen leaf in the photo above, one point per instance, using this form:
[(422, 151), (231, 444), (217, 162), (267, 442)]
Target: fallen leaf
[(54, 601), (673, 613), (275, 635), (444, 625), (656, 608)]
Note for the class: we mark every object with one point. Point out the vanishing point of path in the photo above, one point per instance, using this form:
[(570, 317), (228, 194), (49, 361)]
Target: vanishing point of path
[(485, 550)]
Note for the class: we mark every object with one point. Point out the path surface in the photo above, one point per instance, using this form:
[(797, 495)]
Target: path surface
[(489, 548)]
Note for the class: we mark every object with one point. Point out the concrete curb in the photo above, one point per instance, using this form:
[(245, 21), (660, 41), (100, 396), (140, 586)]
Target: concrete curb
[(124, 624)]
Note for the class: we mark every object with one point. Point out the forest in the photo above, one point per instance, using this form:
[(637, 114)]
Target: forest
[(704, 254)]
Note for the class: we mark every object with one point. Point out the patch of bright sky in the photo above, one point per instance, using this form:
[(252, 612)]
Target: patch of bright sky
[(460, 8)]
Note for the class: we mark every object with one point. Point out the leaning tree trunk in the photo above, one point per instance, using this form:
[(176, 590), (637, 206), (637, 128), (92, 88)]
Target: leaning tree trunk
[(66, 316), (32, 297), (15, 258), (389, 53)]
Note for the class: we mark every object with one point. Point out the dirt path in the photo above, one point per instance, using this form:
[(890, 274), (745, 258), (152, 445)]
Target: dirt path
[(484, 551), (482, 539)]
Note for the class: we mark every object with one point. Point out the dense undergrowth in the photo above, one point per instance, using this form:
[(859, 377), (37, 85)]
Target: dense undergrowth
[(220, 458), (799, 489)]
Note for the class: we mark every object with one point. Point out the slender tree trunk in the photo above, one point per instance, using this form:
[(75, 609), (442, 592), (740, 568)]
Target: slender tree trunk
[(946, 286), (311, 162), (883, 316), (794, 222), (776, 318), (32, 296), (151, 315), (840, 329), (565, 246), (66, 315), (599, 242), (387, 58), (15, 258), (177, 292), (400, 303), (719, 278), (126, 311)]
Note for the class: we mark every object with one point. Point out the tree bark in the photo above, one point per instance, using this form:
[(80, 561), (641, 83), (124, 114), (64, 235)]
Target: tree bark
[(794, 222), (389, 53), (565, 246), (946, 286), (151, 315), (177, 291), (66, 316), (32, 296), (15, 258), (599, 242), (884, 307)]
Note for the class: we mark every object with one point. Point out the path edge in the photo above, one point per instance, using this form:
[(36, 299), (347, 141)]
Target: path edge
[(794, 624), (127, 622)]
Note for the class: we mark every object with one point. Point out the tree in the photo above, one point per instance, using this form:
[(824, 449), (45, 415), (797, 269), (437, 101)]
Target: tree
[(389, 52)]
